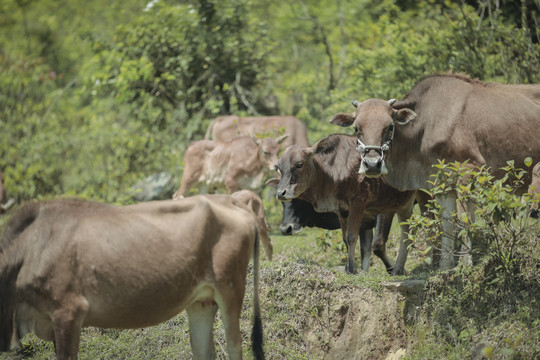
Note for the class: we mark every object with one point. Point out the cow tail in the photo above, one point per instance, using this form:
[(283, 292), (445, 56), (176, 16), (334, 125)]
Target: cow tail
[(257, 332), (11, 261), (8, 278)]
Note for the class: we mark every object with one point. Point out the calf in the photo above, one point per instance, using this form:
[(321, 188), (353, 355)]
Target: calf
[(323, 175), (240, 163), (298, 213), (68, 264)]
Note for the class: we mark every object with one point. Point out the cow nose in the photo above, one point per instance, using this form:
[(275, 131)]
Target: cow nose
[(286, 229), (373, 163), (281, 194)]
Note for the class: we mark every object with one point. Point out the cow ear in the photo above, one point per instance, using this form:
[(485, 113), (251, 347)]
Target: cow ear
[(403, 116), (319, 146), (254, 138), (282, 138), (272, 182), (342, 119)]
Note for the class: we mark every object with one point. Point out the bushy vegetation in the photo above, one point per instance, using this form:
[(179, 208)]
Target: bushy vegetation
[(492, 308), (97, 95)]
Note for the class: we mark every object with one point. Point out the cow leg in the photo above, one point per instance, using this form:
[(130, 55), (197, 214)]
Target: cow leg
[(350, 226), (466, 241), (449, 206), (404, 242), (230, 183), (350, 242), (201, 317), (188, 180), (231, 322), (67, 323), (366, 238), (380, 237)]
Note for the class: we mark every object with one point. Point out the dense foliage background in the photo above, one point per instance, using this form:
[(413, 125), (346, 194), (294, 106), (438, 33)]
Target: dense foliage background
[(97, 95)]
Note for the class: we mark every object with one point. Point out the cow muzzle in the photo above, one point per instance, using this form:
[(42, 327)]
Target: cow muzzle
[(373, 167), (290, 229), (284, 194)]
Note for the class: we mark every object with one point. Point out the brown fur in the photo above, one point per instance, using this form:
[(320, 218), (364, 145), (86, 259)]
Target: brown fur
[(255, 204), (82, 263), (450, 117), (228, 127), (240, 163), (323, 175)]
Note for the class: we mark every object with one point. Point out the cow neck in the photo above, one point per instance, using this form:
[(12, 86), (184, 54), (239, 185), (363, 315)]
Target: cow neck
[(324, 190), (253, 162)]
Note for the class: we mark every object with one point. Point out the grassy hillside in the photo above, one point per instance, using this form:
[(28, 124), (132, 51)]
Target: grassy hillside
[(312, 310)]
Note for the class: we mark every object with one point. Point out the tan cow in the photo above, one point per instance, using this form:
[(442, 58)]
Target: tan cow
[(255, 204), (449, 117), (68, 264), (324, 176), (236, 164), (229, 127)]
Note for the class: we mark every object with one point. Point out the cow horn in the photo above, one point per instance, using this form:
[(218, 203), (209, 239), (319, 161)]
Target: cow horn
[(391, 102), (355, 103)]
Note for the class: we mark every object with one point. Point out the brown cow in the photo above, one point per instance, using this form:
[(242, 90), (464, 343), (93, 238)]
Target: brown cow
[(236, 164), (255, 204), (68, 264), (324, 175), (449, 117), (298, 213), (229, 127)]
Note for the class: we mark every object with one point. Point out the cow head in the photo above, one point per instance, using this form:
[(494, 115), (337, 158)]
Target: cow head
[(374, 123), (269, 148), (298, 214), (295, 168)]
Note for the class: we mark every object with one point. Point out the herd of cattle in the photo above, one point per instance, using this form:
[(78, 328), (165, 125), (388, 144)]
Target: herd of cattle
[(68, 264)]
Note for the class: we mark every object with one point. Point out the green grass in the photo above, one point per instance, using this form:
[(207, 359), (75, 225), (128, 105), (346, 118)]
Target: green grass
[(312, 310)]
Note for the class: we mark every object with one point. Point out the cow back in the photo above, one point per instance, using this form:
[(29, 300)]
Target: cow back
[(460, 119), (228, 127)]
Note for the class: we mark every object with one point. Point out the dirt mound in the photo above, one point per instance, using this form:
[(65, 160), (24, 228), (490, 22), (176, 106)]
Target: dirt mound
[(322, 314)]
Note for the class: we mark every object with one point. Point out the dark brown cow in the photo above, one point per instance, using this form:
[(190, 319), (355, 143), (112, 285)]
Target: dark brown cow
[(68, 264), (324, 175), (298, 213), (229, 127), (236, 164), (449, 117), (255, 204)]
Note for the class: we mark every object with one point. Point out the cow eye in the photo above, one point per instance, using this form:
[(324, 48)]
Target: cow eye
[(265, 153), (299, 165), (390, 131)]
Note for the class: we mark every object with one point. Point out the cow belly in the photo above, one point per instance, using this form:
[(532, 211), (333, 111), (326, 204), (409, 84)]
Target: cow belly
[(144, 309)]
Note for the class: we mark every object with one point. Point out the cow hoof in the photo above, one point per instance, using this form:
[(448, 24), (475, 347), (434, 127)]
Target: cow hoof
[(397, 271)]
